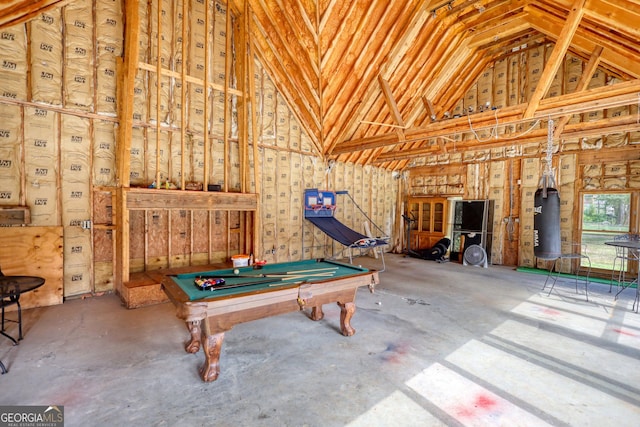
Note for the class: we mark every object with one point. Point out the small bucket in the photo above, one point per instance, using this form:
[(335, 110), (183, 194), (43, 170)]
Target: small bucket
[(240, 260)]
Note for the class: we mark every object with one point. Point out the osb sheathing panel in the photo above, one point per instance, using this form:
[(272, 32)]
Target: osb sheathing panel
[(103, 276), (137, 226), (219, 231), (103, 241), (103, 207), (102, 245), (157, 235), (180, 237), (201, 231), (35, 251)]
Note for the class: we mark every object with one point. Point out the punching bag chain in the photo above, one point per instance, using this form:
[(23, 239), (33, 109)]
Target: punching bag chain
[(548, 180)]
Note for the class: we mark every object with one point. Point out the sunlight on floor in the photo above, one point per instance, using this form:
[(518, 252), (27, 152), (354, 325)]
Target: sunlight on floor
[(560, 360)]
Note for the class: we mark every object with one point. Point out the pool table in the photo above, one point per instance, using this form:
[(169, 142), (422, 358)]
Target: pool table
[(250, 293)]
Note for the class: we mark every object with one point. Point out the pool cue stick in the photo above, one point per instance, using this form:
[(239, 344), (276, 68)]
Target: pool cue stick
[(275, 274), (256, 276), (287, 283), (276, 281), (236, 285), (311, 270)]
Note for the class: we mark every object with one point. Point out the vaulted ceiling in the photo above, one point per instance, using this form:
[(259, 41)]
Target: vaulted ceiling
[(371, 81)]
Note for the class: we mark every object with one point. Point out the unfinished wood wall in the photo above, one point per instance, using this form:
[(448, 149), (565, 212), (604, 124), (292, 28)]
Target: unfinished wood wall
[(34, 251), (58, 140), (510, 174), (58, 109), (288, 165)]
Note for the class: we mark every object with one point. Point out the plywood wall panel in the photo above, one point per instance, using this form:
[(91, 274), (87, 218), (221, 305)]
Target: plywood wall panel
[(35, 251), (180, 238), (137, 230), (201, 231)]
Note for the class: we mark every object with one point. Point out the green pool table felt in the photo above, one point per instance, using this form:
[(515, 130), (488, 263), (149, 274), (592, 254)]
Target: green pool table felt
[(278, 275)]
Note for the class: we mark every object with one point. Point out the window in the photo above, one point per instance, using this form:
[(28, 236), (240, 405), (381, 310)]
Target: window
[(604, 215)]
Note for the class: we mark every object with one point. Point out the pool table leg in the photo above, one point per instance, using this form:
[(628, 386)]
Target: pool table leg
[(196, 332), (317, 313), (346, 313), (212, 344)]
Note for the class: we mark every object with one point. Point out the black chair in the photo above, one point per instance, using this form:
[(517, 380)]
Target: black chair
[(6, 300), (578, 252), (624, 256), (3, 369)]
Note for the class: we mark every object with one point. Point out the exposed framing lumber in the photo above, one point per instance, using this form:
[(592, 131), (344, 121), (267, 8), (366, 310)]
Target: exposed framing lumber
[(393, 107), (576, 130), (205, 94), (183, 100), (227, 83), (557, 56), (159, 39), (188, 79), (583, 84), (23, 11), (126, 77), (590, 100)]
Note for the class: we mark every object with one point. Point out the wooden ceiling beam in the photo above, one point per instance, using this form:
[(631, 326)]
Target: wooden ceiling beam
[(573, 131), (600, 98), (505, 30), (620, 14), (20, 11), (586, 77), (557, 57), (613, 54), (344, 118)]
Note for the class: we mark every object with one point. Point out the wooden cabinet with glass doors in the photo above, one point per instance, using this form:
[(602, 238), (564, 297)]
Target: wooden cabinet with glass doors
[(429, 216)]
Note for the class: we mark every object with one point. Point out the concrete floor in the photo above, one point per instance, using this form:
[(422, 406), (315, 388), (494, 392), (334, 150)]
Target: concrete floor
[(437, 344)]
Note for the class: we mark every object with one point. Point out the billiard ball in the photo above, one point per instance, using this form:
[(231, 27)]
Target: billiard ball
[(236, 271)]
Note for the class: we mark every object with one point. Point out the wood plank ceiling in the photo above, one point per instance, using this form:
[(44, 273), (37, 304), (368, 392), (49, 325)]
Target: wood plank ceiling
[(346, 67), (372, 80)]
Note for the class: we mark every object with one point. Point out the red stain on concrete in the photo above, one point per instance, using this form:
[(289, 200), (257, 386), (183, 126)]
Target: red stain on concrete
[(394, 352), (485, 402), (480, 406), (551, 312), (621, 332)]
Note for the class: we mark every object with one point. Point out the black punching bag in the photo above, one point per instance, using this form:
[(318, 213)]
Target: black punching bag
[(546, 223)]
